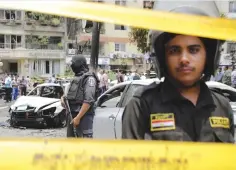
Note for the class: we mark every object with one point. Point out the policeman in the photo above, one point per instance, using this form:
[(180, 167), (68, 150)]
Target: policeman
[(182, 108), (81, 95)]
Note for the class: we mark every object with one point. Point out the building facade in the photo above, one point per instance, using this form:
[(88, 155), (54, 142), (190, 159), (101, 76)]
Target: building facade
[(116, 51), (228, 9), (32, 44)]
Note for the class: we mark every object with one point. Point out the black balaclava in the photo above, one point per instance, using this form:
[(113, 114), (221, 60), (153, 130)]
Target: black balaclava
[(79, 65)]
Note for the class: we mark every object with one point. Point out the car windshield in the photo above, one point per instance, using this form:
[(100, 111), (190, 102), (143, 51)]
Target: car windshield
[(47, 91)]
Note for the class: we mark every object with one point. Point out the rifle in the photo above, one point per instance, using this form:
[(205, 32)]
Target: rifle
[(67, 107)]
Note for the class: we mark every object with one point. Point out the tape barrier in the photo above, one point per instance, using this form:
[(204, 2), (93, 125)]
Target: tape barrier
[(72, 154), (218, 28)]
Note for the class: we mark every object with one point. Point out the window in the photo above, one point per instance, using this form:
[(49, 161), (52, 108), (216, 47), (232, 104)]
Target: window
[(55, 67), (120, 27), (232, 6), (148, 4), (2, 41), (47, 67), (129, 93), (2, 15), (54, 43), (12, 41), (231, 46), (111, 99), (10, 15), (120, 2), (120, 47)]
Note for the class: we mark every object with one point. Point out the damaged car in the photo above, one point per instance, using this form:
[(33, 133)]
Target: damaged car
[(42, 106)]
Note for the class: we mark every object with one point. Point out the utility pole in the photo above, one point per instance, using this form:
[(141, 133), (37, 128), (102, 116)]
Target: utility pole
[(95, 46), (95, 43)]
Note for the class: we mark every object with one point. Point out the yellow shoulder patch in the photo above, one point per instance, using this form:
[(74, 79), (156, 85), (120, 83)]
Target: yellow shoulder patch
[(219, 122)]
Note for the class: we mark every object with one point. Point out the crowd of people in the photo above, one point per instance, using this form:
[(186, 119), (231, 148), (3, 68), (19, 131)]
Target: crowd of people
[(226, 75), (14, 85), (105, 77)]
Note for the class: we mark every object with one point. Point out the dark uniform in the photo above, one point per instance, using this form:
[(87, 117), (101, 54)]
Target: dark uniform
[(160, 112), (83, 89)]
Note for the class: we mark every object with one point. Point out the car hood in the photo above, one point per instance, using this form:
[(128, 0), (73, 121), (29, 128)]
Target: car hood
[(34, 101)]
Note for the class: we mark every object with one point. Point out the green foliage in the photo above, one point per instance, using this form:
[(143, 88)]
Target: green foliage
[(140, 37), (55, 22), (60, 45), (43, 19), (222, 15), (40, 40), (43, 40)]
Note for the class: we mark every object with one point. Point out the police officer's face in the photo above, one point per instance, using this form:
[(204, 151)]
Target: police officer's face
[(185, 58)]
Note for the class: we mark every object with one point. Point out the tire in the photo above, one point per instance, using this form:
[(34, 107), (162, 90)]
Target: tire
[(13, 122), (60, 120)]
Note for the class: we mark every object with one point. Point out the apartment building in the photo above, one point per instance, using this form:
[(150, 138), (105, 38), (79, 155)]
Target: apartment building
[(116, 51), (228, 9), (32, 44)]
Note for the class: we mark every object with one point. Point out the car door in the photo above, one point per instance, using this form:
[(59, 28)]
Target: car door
[(107, 109), (128, 94)]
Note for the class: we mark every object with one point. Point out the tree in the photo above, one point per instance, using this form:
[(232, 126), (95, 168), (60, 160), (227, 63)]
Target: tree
[(140, 37)]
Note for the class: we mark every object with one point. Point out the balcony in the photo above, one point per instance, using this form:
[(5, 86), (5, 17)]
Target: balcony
[(10, 22), (43, 47), (72, 52), (46, 28), (16, 51), (10, 45)]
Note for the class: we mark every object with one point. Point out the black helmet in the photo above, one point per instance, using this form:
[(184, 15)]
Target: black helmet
[(160, 38), (79, 64)]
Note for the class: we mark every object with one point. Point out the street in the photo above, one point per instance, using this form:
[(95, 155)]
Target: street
[(7, 131)]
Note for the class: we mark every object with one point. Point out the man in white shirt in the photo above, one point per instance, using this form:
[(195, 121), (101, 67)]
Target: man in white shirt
[(8, 88)]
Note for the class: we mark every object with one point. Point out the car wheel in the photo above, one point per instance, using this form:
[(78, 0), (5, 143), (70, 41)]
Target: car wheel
[(60, 120), (13, 123), (63, 118)]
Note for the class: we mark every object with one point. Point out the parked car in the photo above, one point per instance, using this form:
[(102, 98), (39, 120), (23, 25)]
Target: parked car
[(42, 106), (110, 105)]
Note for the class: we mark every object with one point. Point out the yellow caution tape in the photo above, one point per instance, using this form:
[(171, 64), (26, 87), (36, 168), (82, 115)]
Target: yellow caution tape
[(218, 28), (69, 154), (72, 154)]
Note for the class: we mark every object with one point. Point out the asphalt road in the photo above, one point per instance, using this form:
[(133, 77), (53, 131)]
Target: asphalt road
[(7, 131)]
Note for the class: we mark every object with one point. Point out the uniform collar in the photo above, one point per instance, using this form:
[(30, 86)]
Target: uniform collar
[(170, 93)]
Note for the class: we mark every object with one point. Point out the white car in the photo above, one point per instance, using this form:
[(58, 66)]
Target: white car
[(42, 106), (110, 105)]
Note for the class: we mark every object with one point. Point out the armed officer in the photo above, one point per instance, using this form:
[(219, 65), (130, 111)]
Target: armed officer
[(81, 95), (182, 108)]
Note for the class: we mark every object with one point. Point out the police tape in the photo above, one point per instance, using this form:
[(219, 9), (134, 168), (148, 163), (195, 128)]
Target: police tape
[(72, 154), (218, 28)]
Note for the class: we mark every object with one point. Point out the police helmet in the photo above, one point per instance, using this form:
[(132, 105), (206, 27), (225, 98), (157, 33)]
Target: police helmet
[(160, 38), (79, 64)]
